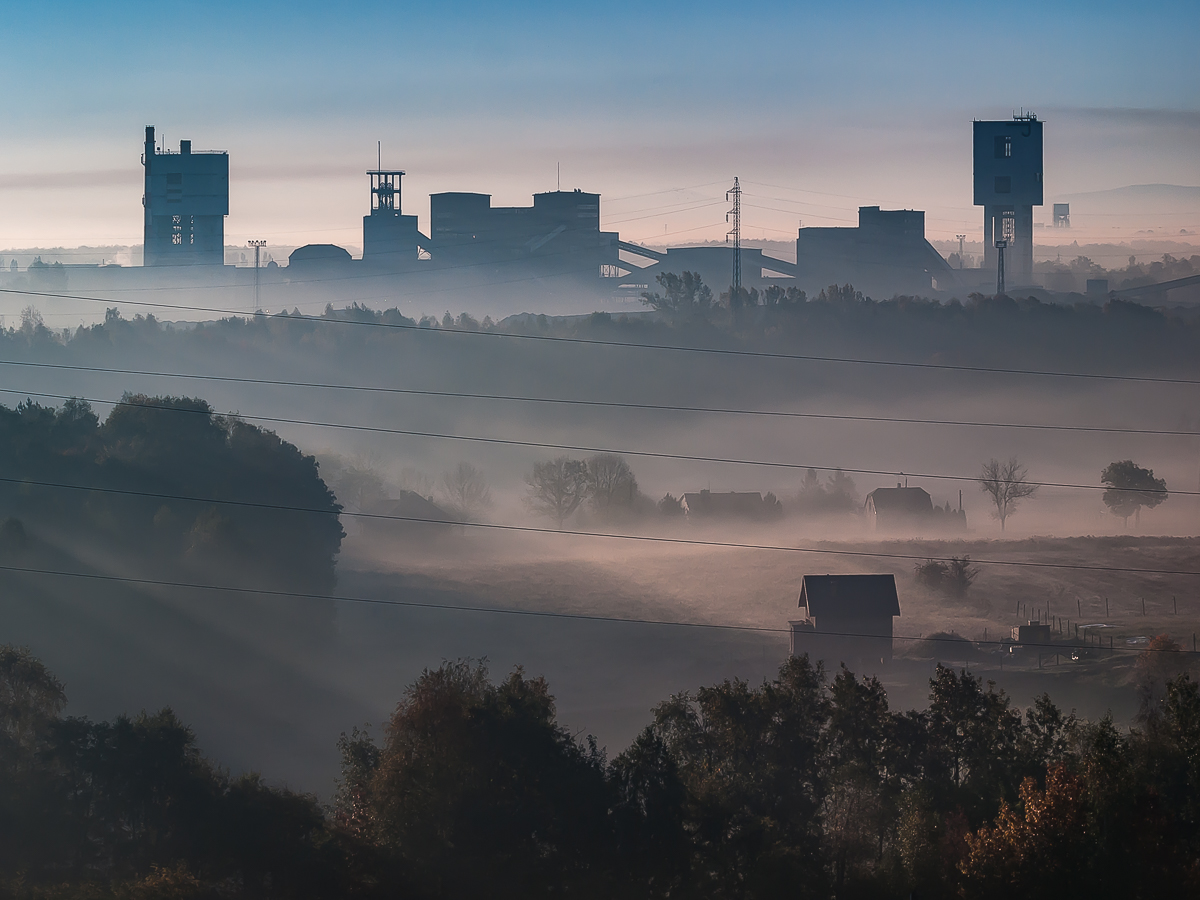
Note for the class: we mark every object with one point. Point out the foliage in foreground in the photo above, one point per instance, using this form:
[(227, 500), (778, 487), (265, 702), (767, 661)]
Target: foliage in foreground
[(798, 787)]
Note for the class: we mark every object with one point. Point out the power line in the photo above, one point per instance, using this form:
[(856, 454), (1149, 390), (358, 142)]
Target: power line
[(534, 613), (532, 529), (576, 448), (566, 401), (561, 339)]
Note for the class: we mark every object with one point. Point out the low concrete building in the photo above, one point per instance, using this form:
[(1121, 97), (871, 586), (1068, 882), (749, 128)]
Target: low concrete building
[(886, 254)]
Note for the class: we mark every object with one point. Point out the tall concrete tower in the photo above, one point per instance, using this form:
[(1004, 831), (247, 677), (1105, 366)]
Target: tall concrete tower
[(1008, 185), (186, 201)]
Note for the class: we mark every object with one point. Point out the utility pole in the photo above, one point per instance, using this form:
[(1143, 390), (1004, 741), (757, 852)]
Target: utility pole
[(257, 245), (736, 194), (961, 238)]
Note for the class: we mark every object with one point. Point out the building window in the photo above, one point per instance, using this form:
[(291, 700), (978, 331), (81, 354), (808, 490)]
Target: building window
[(177, 230), (1003, 184), (1003, 147)]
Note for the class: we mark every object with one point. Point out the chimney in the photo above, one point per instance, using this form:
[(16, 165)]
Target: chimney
[(148, 152)]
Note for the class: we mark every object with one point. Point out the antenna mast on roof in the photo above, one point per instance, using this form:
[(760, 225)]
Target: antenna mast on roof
[(736, 193)]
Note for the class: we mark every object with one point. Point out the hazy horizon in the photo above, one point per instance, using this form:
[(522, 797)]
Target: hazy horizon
[(823, 110)]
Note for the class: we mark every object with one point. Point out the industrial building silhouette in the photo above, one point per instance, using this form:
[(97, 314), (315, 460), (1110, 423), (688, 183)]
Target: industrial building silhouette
[(556, 248), (1007, 157), (186, 201)]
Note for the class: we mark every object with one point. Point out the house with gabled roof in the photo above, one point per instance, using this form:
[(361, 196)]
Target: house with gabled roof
[(911, 510), (846, 618)]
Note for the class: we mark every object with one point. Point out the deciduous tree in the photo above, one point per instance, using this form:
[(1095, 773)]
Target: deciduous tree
[(611, 484), (1130, 487), (685, 296), (466, 491), (1007, 484), (557, 487)]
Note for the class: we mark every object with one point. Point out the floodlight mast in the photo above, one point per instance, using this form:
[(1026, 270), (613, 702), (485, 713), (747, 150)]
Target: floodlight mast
[(1000, 245), (257, 245)]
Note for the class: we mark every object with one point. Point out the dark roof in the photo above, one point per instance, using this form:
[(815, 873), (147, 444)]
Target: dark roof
[(849, 595), (901, 499), (732, 503), (411, 505)]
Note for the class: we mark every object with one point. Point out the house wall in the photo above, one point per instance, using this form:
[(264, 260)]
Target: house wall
[(862, 643)]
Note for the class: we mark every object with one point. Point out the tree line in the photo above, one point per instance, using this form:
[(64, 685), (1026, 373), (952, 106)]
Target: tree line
[(168, 483), (804, 786)]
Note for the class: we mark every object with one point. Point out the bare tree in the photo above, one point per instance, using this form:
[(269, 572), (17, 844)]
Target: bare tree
[(465, 490), (1007, 484), (556, 488), (611, 484)]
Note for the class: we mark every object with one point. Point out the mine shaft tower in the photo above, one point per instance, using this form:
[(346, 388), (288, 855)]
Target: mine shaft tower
[(1008, 185), (390, 238), (186, 201)]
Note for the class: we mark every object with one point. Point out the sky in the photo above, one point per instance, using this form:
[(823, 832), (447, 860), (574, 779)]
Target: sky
[(816, 108)]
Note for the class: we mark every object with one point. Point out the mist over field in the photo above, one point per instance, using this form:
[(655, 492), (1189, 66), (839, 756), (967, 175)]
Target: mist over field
[(610, 451), (336, 392)]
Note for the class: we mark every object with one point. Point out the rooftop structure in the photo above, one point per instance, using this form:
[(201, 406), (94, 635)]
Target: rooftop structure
[(1008, 185), (559, 235), (186, 200), (319, 255), (733, 504)]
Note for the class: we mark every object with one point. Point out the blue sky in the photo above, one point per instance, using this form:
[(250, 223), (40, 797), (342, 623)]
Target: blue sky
[(817, 107)]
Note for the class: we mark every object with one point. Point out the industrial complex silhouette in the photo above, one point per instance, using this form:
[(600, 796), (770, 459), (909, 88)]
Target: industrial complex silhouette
[(556, 247)]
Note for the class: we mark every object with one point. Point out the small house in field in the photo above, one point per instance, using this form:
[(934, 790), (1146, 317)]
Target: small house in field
[(911, 509), (731, 505), (409, 516), (847, 618)]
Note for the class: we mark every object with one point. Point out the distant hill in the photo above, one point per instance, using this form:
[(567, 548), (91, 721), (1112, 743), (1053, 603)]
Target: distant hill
[(1143, 196)]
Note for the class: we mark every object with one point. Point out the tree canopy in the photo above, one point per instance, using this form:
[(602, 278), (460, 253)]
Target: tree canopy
[(1130, 488), (800, 786), (171, 484)]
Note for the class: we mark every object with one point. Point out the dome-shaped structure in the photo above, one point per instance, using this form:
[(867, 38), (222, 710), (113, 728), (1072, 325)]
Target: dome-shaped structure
[(319, 254)]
